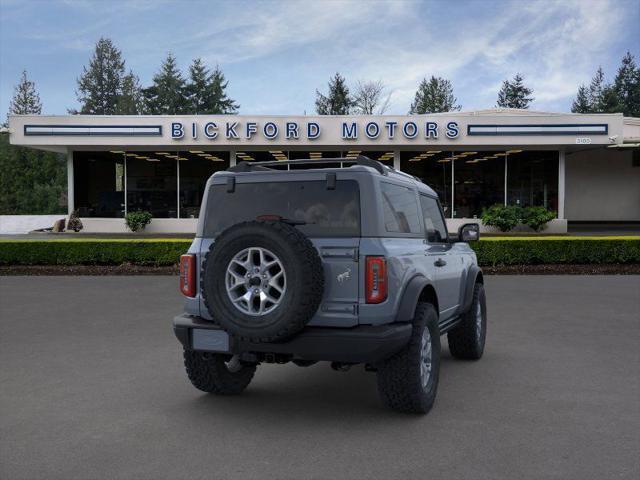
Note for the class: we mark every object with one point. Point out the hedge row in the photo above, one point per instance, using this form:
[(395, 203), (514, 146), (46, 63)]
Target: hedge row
[(568, 250), (92, 252), (490, 251)]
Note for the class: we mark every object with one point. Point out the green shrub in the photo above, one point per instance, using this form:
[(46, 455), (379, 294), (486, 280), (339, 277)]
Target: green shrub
[(572, 250), (137, 220), (503, 217), (536, 217), (92, 252), (160, 252)]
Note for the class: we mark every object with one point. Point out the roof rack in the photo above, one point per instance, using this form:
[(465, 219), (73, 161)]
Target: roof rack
[(261, 166)]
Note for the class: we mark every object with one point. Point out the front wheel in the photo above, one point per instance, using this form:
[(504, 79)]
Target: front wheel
[(217, 373), (466, 341), (408, 381)]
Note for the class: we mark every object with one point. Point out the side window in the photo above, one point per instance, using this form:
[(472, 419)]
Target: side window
[(400, 209), (433, 221)]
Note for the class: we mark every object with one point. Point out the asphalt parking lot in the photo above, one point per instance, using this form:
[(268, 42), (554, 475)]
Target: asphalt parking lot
[(92, 386)]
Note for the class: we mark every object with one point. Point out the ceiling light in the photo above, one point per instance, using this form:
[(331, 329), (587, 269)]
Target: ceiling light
[(434, 151), (152, 160), (116, 151), (196, 151), (141, 157), (444, 160), (514, 151), (162, 153)]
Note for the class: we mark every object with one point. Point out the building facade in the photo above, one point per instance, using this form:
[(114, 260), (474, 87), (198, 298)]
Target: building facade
[(583, 167)]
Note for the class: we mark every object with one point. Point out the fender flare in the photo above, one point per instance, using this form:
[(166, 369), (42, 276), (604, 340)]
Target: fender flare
[(410, 297), (472, 276)]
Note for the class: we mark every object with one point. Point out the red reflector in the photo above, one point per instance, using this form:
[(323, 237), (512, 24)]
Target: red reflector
[(188, 275), (376, 280)]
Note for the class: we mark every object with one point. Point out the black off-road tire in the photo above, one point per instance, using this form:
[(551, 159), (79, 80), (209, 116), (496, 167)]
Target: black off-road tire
[(399, 380), (208, 372), (304, 277), (465, 342)]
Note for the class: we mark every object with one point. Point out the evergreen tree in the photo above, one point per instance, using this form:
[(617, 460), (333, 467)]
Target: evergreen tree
[(218, 100), (581, 104), (596, 91), (196, 89), (167, 95), (627, 86), (99, 86), (31, 181), (514, 94), (130, 101), (206, 92), (433, 96), (337, 101), (25, 99)]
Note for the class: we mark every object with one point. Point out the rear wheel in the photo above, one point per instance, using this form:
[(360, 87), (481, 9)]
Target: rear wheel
[(408, 381), (217, 373), (466, 341)]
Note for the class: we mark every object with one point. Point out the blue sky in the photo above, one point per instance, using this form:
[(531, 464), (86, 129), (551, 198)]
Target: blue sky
[(276, 53)]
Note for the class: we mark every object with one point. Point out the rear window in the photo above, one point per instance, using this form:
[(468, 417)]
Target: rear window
[(400, 209), (325, 213)]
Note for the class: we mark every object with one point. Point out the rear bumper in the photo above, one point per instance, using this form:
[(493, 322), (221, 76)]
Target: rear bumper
[(361, 344)]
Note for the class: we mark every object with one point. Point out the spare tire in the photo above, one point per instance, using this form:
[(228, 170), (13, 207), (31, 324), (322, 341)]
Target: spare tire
[(262, 281)]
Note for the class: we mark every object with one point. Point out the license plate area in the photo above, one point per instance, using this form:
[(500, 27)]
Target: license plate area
[(210, 340)]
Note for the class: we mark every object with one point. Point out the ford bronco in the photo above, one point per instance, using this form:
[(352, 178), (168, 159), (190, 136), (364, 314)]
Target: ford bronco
[(347, 265)]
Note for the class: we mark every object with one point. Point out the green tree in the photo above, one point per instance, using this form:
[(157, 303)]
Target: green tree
[(31, 181), (581, 104), (130, 101), (219, 102), (100, 85), (25, 99), (338, 100), (627, 86), (206, 92), (434, 95), (514, 94), (167, 94)]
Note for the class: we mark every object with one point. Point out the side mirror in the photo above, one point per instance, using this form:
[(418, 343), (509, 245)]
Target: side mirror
[(469, 232)]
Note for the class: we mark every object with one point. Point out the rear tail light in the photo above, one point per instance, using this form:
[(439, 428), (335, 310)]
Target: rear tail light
[(376, 280), (188, 275)]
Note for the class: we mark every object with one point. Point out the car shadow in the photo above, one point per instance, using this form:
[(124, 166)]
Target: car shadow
[(284, 393)]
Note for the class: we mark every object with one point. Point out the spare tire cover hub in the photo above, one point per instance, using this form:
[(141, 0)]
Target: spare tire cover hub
[(256, 281)]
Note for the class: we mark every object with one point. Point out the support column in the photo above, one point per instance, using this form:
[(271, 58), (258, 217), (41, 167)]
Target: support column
[(396, 159), (232, 158), (561, 178), (506, 166), (453, 183), (177, 188), (70, 183)]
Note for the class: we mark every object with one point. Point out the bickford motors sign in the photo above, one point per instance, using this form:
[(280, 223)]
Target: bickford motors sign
[(310, 130)]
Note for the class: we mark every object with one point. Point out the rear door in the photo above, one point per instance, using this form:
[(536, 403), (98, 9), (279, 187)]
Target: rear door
[(327, 213)]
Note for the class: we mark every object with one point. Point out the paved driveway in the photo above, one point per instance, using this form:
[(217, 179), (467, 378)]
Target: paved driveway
[(91, 386)]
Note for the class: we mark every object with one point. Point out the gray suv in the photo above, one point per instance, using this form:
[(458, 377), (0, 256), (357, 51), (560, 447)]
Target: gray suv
[(346, 265)]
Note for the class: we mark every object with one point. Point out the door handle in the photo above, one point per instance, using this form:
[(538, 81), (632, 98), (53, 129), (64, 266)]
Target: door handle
[(440, 263)]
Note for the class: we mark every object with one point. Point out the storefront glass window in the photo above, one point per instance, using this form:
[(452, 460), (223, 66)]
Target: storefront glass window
[(532, 179), (195, 169), (478, 181), (99, 184), (152, 184)]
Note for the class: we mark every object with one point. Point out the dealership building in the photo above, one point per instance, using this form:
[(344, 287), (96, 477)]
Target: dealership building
[(586, 168)]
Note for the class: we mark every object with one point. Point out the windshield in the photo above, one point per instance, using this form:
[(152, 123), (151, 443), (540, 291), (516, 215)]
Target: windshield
[(315, 210)]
